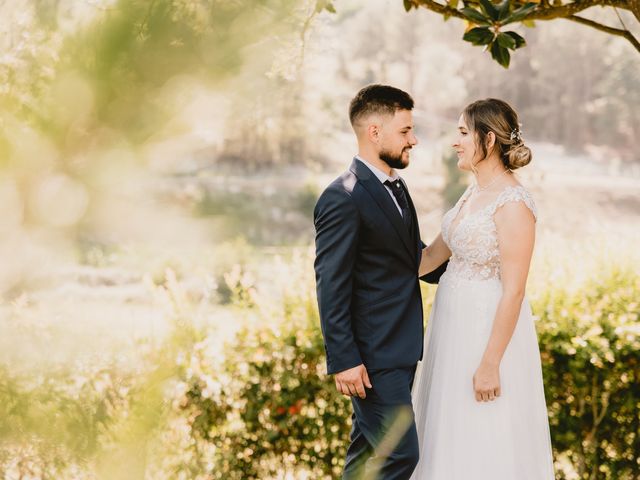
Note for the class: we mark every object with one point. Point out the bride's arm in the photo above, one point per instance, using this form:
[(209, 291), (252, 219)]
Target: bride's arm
[(433, 256), (515, 226)]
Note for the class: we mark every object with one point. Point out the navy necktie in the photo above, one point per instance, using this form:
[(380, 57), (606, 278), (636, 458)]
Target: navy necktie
[(401, 197)]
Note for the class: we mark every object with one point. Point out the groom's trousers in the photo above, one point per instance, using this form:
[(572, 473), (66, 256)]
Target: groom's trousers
[(384, 441)]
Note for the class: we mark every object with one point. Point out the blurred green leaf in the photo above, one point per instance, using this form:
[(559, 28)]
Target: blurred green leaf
[(519, 14), (506, 41), (490, 9), (479, 36), (500, 54), (503, 9), (519, 40), (475, 16), (325, 5)]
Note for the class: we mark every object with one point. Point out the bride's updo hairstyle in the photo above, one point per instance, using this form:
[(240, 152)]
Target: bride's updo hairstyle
[(497, 116)]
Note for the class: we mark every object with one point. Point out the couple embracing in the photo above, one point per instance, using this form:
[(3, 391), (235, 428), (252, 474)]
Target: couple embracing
[(465, 400)]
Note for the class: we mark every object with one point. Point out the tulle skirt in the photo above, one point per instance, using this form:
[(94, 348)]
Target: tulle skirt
[(460, 438)]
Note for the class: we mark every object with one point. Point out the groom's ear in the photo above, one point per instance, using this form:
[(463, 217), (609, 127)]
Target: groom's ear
[(373, 132)]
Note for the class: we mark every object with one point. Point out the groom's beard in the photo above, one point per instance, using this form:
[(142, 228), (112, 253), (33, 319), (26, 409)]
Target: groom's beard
[(394, 160)]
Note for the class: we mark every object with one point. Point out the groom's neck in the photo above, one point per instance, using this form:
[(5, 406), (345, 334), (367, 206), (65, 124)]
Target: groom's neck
[(376, 161)]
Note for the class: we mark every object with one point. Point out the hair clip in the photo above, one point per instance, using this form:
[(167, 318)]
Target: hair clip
[(516, 134)]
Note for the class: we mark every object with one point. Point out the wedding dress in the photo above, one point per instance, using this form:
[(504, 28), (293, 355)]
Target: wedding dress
[(460, 438)]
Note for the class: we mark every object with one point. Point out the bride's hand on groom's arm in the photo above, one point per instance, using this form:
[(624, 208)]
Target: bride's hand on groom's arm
[(433, 256), (352, 382), (486, 382)]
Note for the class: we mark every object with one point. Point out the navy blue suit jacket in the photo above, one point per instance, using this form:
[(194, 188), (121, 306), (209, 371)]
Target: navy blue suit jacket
[(367, 275)]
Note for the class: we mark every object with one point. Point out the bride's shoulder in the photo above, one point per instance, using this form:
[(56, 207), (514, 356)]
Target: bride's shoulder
[(513, 194), (515, 189)]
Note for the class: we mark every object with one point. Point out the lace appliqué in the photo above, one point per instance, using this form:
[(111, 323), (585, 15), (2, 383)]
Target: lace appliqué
[(474, 240)]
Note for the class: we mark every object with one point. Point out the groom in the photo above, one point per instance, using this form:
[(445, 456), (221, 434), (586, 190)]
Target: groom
[(367, 256)]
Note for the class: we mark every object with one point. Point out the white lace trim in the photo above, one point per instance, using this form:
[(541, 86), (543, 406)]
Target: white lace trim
[(474, 240), (515, 193)]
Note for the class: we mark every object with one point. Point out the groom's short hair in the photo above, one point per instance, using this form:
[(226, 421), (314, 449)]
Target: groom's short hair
[(378, 99)]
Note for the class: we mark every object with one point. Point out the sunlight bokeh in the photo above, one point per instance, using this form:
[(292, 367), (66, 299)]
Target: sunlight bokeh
[(159, 165)]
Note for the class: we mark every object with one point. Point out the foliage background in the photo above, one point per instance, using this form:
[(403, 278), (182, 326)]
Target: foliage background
[(159, 162)]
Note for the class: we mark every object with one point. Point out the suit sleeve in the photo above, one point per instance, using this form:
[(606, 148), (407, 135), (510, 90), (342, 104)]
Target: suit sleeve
[(336, 222), (433, 276)]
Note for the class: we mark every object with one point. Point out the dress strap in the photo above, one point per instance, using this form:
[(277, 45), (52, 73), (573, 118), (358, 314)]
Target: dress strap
[(515, 193), (464, 195)]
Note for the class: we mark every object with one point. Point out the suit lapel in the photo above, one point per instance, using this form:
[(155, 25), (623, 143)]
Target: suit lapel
[(380, 194)]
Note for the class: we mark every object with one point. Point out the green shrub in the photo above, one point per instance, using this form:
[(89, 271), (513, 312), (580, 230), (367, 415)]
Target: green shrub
[(53, 424), (271, 409), (264, 408), (277, 412), (590, 348)]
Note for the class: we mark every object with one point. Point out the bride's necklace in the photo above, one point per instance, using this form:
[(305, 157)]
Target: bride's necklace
[(495, 179)]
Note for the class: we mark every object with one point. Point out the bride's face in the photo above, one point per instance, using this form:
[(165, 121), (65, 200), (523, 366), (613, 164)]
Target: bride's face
[(465, 145)]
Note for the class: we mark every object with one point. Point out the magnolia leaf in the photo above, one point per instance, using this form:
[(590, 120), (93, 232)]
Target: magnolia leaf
[(408, 5), (489, 9), (506, 41), (479, 36), (529, 23), (520, 13), (468, 25), (500, 54), (520, 41), (503, 9), (475, 16)]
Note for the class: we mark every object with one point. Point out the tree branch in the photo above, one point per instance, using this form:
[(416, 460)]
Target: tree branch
[(545, 12), (549, 12), (439, 8), (604, 28), (635, 8)]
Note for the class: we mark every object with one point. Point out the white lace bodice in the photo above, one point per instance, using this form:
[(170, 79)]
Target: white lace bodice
[(473, 239)]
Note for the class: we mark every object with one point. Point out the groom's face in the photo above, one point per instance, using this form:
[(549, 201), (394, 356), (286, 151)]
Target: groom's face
[(397, 139)]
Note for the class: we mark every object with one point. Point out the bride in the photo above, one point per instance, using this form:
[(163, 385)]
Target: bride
[(478, 395)]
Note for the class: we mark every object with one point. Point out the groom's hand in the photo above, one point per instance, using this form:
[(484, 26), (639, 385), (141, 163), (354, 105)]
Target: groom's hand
[(351, 382)]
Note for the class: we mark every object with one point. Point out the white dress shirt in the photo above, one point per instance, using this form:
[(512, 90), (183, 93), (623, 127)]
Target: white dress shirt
[(383, 177)]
